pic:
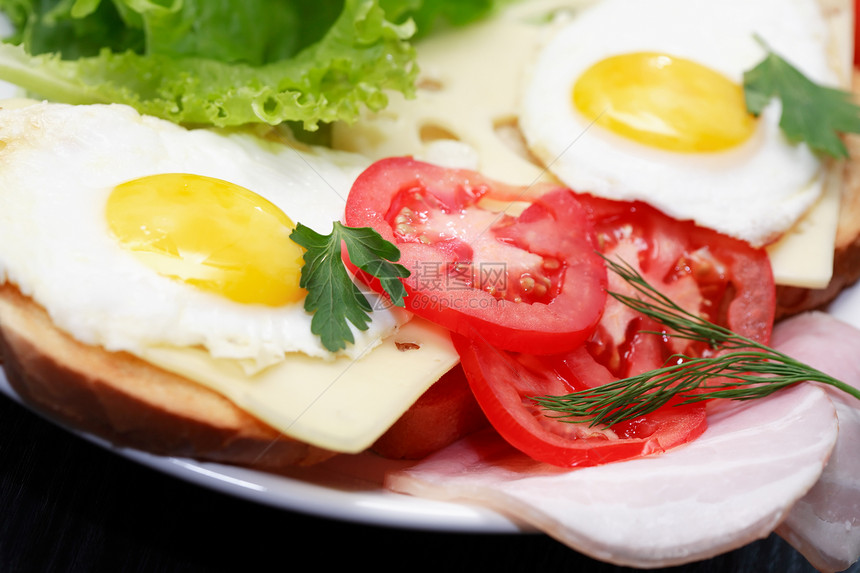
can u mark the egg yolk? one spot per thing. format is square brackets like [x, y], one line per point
[209, 233]
[666, 102]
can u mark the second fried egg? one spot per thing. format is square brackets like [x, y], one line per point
[641, 100]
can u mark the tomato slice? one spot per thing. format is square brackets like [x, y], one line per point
[529, 283]
[723, 279]
[504, 383]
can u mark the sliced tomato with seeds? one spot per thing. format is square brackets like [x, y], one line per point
[504, 383]
[717, 277]
[527, 283]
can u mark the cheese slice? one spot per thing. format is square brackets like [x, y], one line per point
[803, 257]
[341, 405]
[469, 89]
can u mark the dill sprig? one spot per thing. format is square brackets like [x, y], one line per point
[741, 368]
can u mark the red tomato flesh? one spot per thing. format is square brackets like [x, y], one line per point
[541, 323]
[532, 283]
[718, 277]
[505, 382]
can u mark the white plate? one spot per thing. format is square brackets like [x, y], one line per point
[349, 487]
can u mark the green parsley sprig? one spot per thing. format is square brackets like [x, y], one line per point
[743, 369]
[811, 113]
[333, 298]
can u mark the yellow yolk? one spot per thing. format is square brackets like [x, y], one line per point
[665, 102]
[211, 234]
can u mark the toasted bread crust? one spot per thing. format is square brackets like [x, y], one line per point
[129, 402]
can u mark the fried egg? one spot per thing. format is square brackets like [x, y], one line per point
[639, 100]
[133, 232]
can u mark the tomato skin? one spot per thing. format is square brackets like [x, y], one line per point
[726, 280]
[555, 229]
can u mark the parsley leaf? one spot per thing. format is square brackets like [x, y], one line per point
[810, 112]
[333, 298]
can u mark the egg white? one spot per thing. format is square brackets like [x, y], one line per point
[755, 191]
[59, 163]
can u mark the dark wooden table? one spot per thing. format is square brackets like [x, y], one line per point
[69, 505]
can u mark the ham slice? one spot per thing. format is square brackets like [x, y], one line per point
[825, 524]
[733, 485]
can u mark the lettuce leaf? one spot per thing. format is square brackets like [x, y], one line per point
[213, 62]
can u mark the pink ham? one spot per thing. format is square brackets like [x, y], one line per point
[825, 524]
[733, 485]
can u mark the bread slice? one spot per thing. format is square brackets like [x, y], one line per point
[129, 402]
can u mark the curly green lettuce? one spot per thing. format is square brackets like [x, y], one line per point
[222, 62]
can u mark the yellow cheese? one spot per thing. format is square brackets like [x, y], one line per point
[342, 405]
[803, 257]
[469, 90]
